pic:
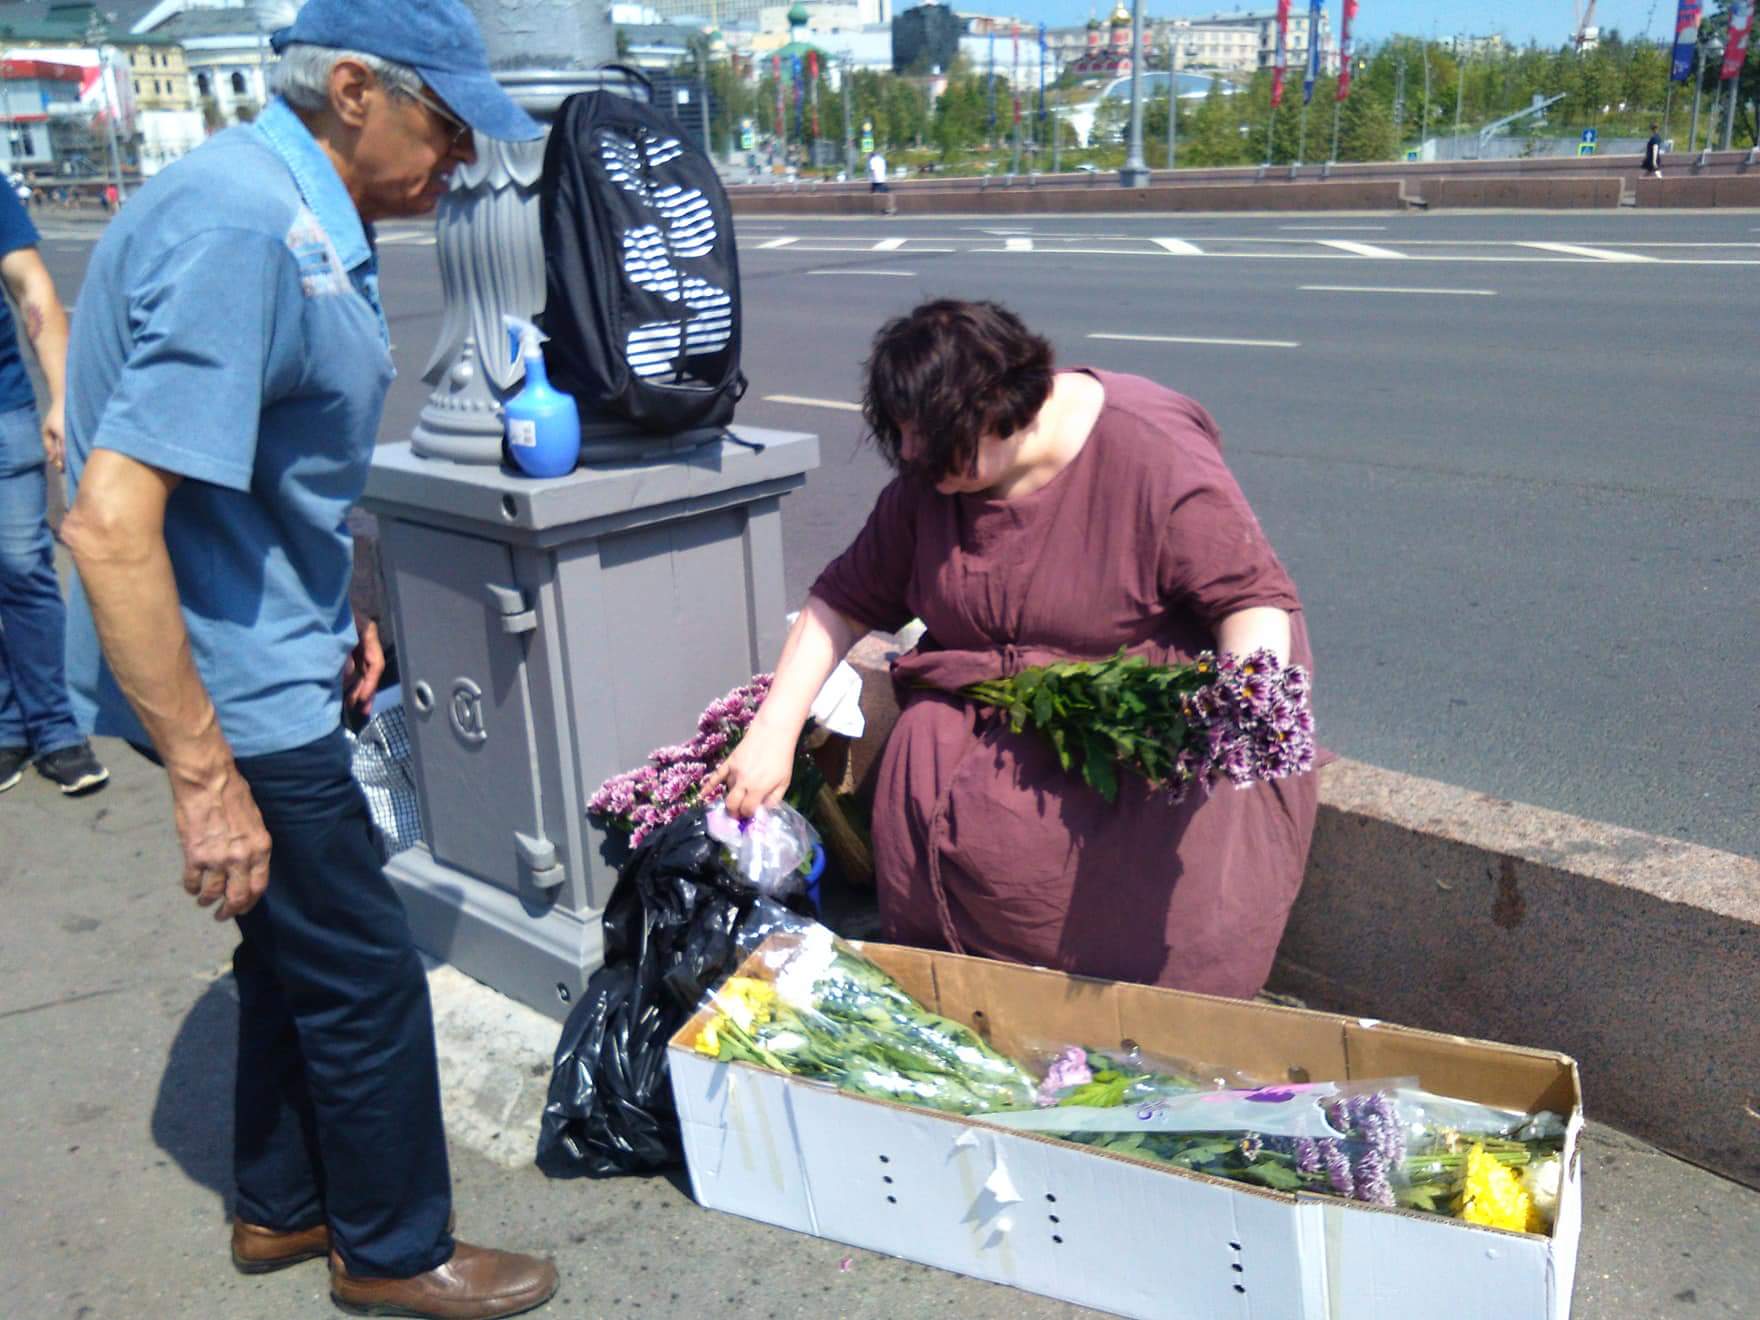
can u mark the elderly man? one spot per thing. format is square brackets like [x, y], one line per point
[229, 364]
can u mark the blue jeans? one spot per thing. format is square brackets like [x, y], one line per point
[34, 709]
[338, 1090]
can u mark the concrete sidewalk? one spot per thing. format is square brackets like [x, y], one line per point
[116, 1026]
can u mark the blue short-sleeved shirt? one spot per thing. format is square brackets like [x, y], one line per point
[16, 231]
[229, 331]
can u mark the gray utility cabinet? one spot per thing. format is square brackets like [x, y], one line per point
[550, 634]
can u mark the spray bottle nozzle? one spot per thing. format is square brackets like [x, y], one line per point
[524, 340]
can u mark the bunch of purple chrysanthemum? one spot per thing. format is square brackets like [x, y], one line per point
[1362, 1163]
[1244, 719]
[638, 802]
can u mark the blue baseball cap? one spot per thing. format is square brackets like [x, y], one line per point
[439, 39]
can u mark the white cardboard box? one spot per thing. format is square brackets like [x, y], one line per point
[1111, 1233]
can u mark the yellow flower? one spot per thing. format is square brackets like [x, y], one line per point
[1493, 1196]
[709, 1038]
[747, 1001]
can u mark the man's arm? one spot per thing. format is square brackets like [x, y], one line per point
[45, 325]
[116, 533]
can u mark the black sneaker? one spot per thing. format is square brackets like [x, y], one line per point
[74, 768]
[12, 763]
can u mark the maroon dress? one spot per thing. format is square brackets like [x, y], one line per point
[982, 843]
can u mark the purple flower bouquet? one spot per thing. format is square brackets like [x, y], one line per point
[640, 801]
[1220, 717]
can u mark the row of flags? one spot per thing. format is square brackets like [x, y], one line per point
[1280, 62]
[1686, 42]
[1686, 39]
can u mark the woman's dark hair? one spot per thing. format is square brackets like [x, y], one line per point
[952, 372]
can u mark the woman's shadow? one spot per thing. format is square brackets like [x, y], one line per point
[192, 1114]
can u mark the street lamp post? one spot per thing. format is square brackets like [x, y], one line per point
[1175, 55]
[703, 111]
[1135, 173]
[1729, 112]
[849, 141]
[1698, 90]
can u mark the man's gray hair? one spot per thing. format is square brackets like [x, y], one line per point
[302, 78]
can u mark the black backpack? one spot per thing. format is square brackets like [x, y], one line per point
[641, 270]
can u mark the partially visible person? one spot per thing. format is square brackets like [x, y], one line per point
[1043, 515]
[230, 363]
[1653, 153]
[36, 715]
[877, 173]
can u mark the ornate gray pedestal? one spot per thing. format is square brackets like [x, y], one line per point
[549, 635]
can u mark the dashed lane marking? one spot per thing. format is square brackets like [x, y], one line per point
[802, 401]
[1386, 288]
[1198, 339]
[1577, 250]
[1178, 246]
[1361, 249]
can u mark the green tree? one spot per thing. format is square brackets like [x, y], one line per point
[1211, 136]
[1365, 127]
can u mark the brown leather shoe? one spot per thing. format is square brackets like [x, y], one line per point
[476, 1284]
[259, 1250]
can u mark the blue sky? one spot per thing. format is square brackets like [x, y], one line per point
[1547, 21]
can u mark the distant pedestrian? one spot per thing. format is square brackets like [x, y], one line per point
[1653, 153]
[36, 713]
[877, 173]
[112, 198]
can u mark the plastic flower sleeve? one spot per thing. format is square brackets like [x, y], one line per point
[771, 851]
[1074, 1075]
[1280, 1111]
[812, 1007]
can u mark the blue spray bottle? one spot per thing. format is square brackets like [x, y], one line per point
[543, 424]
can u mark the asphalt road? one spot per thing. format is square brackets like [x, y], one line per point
[1512, 461]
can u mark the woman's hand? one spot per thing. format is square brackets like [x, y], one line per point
[757, 772]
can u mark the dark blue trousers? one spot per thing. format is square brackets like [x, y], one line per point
[338, 1092]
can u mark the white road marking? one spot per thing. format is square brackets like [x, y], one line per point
[888, 245]
[1019, 245]
[1360, 249]
[784, 241]
[907, 274]
[1577, 250]
[1383, 288]
[801, 401]
[1179, 247]
[1195, 339]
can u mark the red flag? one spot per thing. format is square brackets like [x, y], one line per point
[1344, 49]
[813, 82]
[1280, 62]
[1741, 27]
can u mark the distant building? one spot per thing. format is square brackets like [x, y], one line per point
[34, 97]
[1262, 23]
[723, 14]
[1477, 48]
[1106, 51]
[926, 37]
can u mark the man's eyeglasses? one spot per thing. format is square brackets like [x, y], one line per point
[459, 129]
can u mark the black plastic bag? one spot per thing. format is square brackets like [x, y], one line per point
[678, 922]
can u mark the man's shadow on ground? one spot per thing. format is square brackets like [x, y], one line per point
[192, 1115]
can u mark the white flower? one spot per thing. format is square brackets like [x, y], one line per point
[1541, 1181]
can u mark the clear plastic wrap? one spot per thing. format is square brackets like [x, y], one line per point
[813, 1007]
[773, 851]
[1384, 1142]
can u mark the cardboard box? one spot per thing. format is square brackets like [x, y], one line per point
[1116, 1234]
